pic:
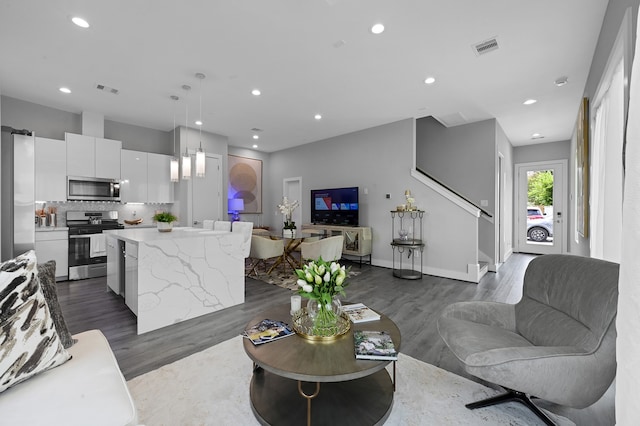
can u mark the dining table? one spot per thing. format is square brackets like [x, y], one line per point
[291, 243]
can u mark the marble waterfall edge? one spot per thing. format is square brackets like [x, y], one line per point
[180, 279]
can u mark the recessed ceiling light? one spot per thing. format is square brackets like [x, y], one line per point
[377, 28]
[536, 136]
[561, 81]
[530, 102]
[429, 80]
[256, 137]
[199, 123]
[80, 22]
[65, 90]
[317, 117]
[255, 92]
[254, 145]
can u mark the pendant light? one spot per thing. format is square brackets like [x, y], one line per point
[175, 165]
[186, 159]
[200, 156]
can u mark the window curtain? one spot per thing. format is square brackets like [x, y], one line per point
[606, 180]
[628, 320]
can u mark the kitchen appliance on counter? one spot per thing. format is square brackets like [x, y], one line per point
[92, 189]
[87, 243]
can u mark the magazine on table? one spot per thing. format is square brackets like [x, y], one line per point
[359, 312]
[267, 330]
[376, 345]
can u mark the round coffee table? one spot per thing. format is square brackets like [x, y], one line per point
[297, 381]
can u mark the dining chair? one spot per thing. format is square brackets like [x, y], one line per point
[245, 228]
[328, 248]
[263, 249]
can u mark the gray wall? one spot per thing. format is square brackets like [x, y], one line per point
[461, 157]
[608, 33]
[44, 121]
[542, 152]
[377, 160]
[52, 123]
[139, 138]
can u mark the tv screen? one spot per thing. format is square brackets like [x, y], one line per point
[335, 206]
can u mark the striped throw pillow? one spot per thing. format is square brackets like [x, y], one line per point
[29, 343]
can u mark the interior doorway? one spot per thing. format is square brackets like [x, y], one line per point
[206, 192]
[540, 207]
[292, 189]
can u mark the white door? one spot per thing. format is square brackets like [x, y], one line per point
[206, 199]
[540, 207]
[292, 189]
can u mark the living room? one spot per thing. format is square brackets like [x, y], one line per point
[377, 158]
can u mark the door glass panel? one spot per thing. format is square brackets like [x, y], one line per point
[540, 207]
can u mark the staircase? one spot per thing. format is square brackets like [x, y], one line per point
[452, 251]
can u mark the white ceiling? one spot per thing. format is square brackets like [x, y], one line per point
[307, 57]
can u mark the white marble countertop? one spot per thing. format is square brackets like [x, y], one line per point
[51, 228]
[136, 235]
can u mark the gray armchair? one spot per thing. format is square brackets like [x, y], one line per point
[557, 343]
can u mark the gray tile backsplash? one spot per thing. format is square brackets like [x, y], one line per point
[125, 211]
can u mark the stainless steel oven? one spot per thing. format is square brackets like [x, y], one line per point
[87, 245]
[92, 189]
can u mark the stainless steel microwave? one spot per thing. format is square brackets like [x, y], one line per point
[92, 189]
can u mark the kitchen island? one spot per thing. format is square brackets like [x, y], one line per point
[171, 277]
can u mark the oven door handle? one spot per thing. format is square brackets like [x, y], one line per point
[71, 237]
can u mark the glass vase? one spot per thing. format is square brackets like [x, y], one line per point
[324, 314]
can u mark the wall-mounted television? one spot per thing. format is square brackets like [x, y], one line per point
[335, 206]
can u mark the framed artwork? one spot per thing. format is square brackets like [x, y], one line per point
[245, 182]
[582, 169]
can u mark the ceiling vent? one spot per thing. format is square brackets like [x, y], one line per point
[486, 46]
[107, 89]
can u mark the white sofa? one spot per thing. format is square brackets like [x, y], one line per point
[89, 389]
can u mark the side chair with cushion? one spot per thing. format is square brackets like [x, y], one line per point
[262, 249]
[327, 248]
[557, 343]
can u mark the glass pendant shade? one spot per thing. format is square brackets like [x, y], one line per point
[200, 163]
[186, 167]
[175, 172]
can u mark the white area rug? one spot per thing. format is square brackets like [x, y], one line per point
[212, 388]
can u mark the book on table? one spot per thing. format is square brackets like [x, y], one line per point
[267, 330]
[358, 312]
[376, 345]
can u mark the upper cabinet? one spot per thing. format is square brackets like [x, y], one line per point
[108, 158]
[88, 156]
[159, 187]
[51, 169]
[146, 177]
[133, 186]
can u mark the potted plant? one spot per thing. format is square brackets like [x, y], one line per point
[164, 221]
[287, 208]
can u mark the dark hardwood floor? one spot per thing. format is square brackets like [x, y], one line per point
[414, 305]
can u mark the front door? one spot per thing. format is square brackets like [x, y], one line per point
[540, 212]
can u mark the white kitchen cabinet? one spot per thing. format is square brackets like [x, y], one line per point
[131, 277]
[133, 186]
[159, 185]
[88, 156]
[108, 158]
[81, 155]
[54, 245]
[114, 264]
[51, 169]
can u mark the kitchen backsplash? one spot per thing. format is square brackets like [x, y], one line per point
[125, 211]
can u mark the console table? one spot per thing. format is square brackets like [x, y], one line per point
[297, 381]
[408, 245]
[357, 239]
